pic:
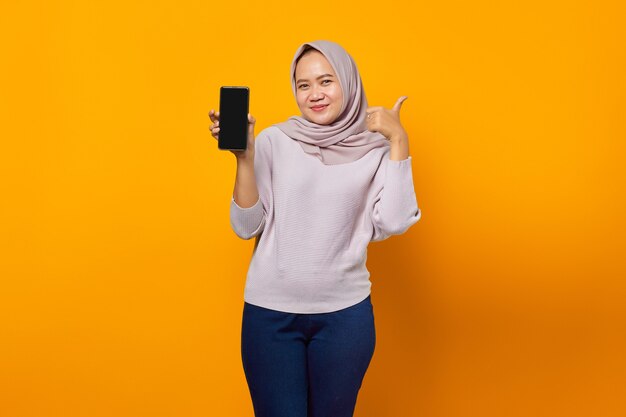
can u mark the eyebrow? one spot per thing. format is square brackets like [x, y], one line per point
[321, 76]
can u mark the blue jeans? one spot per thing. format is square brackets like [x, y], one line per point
[306, 365]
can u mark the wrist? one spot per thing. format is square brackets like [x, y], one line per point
[244, 158]
[399, 137]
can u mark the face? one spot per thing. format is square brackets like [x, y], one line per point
[317, 85]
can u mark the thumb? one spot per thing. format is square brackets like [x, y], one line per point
[251, 122]
[398, 105]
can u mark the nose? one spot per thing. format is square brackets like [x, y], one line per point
[316, 94]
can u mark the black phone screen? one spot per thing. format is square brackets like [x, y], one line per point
[234, 102]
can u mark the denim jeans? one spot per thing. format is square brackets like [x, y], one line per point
[306, 365]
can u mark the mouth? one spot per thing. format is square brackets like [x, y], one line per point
[319, 108]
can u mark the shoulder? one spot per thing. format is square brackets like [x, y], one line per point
[270, 137]
[266, 140]
[384, 153]
[271, 133]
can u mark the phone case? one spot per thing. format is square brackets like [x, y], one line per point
[234, 108]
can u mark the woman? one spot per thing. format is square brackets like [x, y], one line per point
[314, 191]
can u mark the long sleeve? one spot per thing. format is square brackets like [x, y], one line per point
[313, 224]
[395, 205]
[249, 222]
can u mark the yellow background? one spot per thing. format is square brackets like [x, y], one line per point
[121, 279]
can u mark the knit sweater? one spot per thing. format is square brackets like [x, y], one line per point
[313, 223]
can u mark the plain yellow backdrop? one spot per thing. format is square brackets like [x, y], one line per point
[122, 282]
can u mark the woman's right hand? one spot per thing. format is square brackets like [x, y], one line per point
[215, 129]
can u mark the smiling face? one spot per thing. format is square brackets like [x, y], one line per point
[318, 92]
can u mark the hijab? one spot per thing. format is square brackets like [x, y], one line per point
[346, 139]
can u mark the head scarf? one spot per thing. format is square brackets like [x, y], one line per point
[346, 139]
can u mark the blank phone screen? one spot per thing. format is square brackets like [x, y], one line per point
[233, 134]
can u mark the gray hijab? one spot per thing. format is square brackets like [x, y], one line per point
[347, 138]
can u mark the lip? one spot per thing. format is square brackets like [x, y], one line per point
[319, 108]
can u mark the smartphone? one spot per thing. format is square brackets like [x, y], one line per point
[234, 107]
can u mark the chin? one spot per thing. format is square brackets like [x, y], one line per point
[322, 120]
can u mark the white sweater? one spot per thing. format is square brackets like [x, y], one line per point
[313, 223]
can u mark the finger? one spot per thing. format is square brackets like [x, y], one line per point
[398, 105]
[251, 122]
[371, 116]
[212, 115]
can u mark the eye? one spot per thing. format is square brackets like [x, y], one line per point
[301, 85]
[327, 80]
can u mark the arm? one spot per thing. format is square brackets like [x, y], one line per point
[395, 206]
[246, 193]
[250, 200]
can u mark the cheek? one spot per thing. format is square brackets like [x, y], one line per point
[300, 101]
[336, 94]
[337, 97]
[304, 95]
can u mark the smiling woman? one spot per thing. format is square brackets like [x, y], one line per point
[308, 331]
[319, 95]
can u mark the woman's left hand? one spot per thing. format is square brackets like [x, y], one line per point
[386, 121]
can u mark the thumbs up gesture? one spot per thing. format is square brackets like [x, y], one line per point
[386, 121]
